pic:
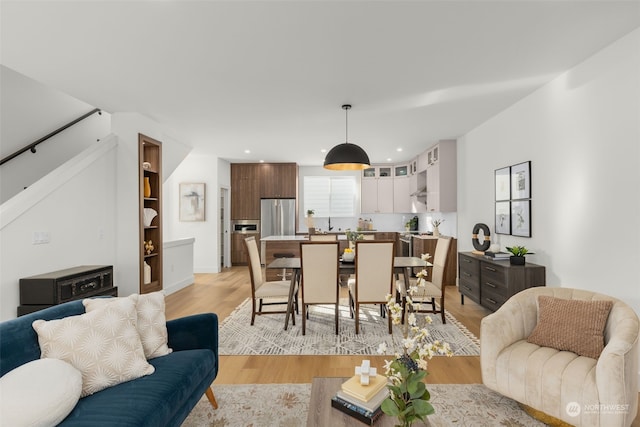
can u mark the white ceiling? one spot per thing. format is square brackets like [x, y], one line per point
[271, 76]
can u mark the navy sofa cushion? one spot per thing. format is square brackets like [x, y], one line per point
[164, 398]
[151, 400]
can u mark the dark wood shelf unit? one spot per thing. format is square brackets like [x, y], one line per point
[150, 150]
[491, 283]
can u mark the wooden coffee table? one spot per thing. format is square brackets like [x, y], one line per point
[322, 414]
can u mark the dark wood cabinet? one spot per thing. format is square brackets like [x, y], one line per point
[245, 191]
[239, 254]
[278, 180]
[491, 283]
[150, 195]
[57, 287]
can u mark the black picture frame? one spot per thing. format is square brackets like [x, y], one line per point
[502, 181]
[521, 218]
[521, 181]
[503, 217]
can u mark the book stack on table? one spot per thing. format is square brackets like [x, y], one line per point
[362, 401]
[497, 255]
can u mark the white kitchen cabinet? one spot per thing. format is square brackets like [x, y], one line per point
[401, 194]
[441, 178]
[376, 196]
[376, 190]
[374, 172]
[423, 161]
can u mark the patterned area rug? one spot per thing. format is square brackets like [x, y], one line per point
[286, 405]
[268, 337]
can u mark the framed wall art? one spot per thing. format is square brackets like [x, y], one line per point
[192, 200]
[521, 181]
[521, 218]
[502, 180]
[503, 217]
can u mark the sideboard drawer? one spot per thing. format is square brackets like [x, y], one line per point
[470, 289]
[493, 278]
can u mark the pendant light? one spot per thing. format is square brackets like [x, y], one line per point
[346, 156]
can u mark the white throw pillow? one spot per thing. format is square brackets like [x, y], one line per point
[151, 322]
[39, 393]
[103, 345]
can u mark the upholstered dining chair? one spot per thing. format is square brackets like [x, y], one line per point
[434, 287]
[263, 292]
[319, 283]
[323, 237]
[374, 277]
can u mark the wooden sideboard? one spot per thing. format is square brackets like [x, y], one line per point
[491, 283]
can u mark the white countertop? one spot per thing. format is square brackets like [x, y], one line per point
[297, 238]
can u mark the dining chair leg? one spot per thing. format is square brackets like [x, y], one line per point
[444, 320]
[351, 305]
[357, 314]
[253, 311]
[304, 317]
[389, 321]
[337, 317]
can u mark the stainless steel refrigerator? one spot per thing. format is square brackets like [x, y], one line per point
[277, 217]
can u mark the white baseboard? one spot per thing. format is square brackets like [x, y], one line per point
[175, 287]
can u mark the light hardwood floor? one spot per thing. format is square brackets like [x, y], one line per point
[220, 293]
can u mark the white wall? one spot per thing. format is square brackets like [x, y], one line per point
[195, 168]
[76, 205]
[582, 135]
[31, 110]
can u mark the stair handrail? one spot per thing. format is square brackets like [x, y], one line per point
[33, 145]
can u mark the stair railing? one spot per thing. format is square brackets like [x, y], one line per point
[32, 147]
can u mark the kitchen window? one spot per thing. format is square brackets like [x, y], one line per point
[330, 196]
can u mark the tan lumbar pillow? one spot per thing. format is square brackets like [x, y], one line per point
[571, 325]
[151, 321]
[103, 345]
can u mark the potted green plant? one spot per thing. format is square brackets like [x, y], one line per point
[517, 254]
[310, 223]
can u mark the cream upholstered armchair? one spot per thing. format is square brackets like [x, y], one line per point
[579, 390]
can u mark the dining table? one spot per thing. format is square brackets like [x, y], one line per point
[401, 264]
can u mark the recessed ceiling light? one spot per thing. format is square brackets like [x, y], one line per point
[323, 150]
[399, 149]
[388, 160]
[247, 151]
[261, 161]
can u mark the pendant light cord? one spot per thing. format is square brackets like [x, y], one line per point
[346, 108]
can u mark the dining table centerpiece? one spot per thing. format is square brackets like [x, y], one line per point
[408, 399]
[352, 237]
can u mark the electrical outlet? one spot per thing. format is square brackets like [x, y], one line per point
[40, 237]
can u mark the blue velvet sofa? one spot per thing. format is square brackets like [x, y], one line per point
[164, 398]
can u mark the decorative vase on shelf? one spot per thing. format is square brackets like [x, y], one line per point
[147, 273]
[147, 187]
[436, 231]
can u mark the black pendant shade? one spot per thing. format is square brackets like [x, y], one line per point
[346, 156]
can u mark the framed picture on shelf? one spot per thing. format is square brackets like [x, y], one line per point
[503, 183]
[521, 181]
[503, 217]
[521, 218]
[192, 198]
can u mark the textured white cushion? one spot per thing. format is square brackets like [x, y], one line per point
[103, 345]
[151, 320]
[39, 393]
